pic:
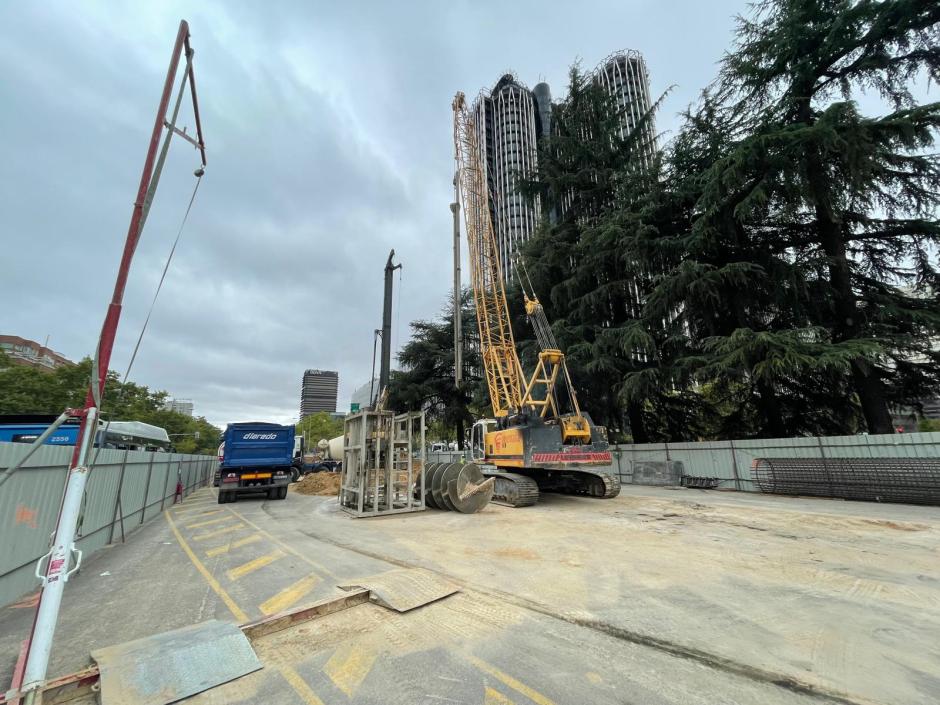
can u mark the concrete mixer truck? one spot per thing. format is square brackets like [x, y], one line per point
[330, 455]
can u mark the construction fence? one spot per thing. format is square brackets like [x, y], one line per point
[125, 489]
[730, 461]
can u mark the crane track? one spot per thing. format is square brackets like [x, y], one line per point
[514, 490]
[611, 486]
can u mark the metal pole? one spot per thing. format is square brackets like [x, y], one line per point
[57, 571]
[117, 501]
[386, 361]
[458, 308]
[143, 513]
[113, 316]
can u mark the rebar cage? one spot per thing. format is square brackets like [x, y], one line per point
[383, 463]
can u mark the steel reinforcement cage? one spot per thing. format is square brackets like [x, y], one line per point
[383, 463]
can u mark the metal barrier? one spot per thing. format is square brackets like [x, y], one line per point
[125, 489]
[908, 480]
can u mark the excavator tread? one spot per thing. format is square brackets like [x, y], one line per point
[513, 490]
[611, 486]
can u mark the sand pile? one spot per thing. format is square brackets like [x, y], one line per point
[320, 483]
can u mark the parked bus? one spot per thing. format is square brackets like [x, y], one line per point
[130, 435]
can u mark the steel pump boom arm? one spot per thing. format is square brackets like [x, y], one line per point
[504, 376]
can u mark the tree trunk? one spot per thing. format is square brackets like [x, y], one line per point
[847, 323]
[459, 429]
[773, 426]
[637, 427]
[870, 392]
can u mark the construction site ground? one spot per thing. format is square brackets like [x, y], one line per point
[658, 596]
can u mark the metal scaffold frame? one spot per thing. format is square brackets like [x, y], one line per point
[383, 463]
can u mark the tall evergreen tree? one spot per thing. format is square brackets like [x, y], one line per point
[589, 292]
[426, 380]
[846, 202]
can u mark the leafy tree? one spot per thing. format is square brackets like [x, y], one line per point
[843, 203]
[27, 390]
[318, 426]
[426, 380]
[587, 174]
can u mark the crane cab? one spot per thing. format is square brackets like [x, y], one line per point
[478, 439]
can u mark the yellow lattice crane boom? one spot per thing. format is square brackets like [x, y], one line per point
[497, 347]
[545, 448]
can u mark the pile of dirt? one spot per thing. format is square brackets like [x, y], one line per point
[319, 483]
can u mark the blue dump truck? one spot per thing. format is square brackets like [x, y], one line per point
[257, 458]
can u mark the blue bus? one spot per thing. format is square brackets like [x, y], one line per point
[131, 435]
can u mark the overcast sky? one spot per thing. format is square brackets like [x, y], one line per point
[328, 128]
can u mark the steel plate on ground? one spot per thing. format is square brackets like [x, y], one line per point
[168, 667]
[404, 589]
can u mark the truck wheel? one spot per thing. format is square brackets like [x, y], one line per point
[222, 498]
[294, 474]
[272, 493]
[282, 492]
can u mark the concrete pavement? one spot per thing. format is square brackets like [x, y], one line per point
[657, 596]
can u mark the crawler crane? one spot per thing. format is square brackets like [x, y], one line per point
[533, 443]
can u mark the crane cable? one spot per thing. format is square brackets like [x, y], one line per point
[153, 304]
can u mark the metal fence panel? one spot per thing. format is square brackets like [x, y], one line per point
[730, 461]
[29, 502]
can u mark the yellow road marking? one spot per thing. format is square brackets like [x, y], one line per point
[286, 546]
[213, 583]
[518, 686]
[289, 595]
[207, 523]
[251, 566]
[191, 503]
[494, 697]
[219, 532]
[180, 509]
[225, 548]
[348, 667]
[300, 685]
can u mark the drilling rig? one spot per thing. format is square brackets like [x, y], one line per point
[539, 438]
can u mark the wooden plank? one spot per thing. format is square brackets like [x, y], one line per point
[284, 620]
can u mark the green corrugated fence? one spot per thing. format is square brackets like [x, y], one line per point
[125, 489]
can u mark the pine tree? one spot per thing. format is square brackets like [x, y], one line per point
[845, 202]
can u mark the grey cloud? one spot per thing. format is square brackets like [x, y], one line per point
[329, 134]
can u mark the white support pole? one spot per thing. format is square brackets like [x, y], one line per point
[58, 569]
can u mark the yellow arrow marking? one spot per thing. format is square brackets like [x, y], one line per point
[251, 566]
[348, 667]
[289, 595]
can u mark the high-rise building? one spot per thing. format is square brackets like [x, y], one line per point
[624, 75]
[511, 119]
[365, 394]
[508, 121]
[318, 392]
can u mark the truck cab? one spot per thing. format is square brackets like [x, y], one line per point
[258, 457]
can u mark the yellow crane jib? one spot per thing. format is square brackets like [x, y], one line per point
[533, 443]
